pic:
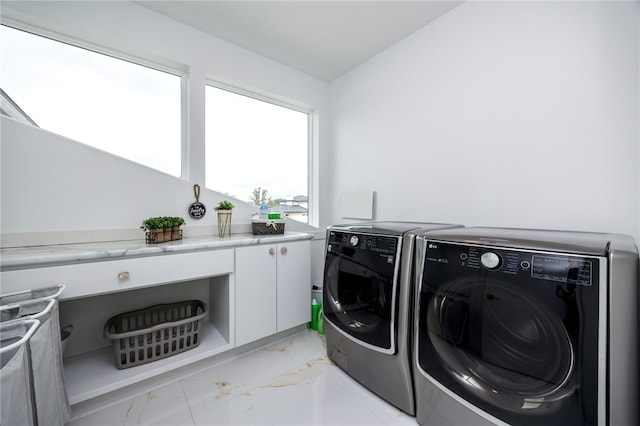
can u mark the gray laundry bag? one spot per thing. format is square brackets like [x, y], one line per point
[17, 406]
[51, 400]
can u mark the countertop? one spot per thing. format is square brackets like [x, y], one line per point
[50, 255]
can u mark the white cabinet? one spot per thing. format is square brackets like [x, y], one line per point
[98, 290]
[294, 284]
[251, 291]
[255, 293]
[272, 289]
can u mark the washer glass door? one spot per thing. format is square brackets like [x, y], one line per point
[505, 331]
[360, 287]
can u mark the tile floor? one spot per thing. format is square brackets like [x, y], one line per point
[290, 382]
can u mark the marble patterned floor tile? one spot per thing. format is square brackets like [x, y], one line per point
[163, 406]
[230, 379]
[386, 412]
[310, 344]
[291, 382]
[311, 394]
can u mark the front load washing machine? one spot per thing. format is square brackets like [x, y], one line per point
[367, 303]
[526, 327]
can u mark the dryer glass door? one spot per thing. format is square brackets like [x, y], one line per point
[512, 332]
[360, 286]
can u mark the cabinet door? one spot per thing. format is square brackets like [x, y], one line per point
[294, 284]
[255, 293]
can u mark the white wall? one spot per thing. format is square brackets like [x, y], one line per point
[53, 184]
[512, 114]
[498, 114]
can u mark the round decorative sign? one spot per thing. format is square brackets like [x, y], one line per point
[197, 210]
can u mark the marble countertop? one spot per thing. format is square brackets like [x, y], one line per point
[24, 257]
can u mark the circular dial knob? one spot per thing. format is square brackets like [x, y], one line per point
[354, 240]
[490, 260]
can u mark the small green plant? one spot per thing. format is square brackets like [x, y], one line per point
[161, 222]
[177, 221]
[152, 223]
[224, 205]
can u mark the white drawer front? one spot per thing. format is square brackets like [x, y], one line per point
[88, 279]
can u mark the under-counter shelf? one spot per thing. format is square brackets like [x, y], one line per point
[90, 368]
[92, 374]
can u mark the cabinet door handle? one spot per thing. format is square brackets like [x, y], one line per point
[124, 275]
[272, 251]
[283, 250]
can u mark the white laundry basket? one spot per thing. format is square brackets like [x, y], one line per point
[51, 400]
[17, 403]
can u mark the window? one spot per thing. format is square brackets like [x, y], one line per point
[127, 109]
[257, 151]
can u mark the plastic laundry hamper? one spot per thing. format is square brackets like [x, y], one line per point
[51, 400]
[156, 332]
[17, 405]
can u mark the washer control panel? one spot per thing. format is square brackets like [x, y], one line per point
[376, 243]
[365, 252]
[562, 268]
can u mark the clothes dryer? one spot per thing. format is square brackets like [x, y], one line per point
[526, 327]
[367, 303]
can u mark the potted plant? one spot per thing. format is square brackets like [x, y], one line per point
[154, 226]
[176, 222]
[224, 209]
[162, 228]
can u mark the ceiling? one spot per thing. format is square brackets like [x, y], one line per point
[322, 38]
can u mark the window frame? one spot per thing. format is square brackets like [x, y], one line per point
[124, 54]
[284, 103]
